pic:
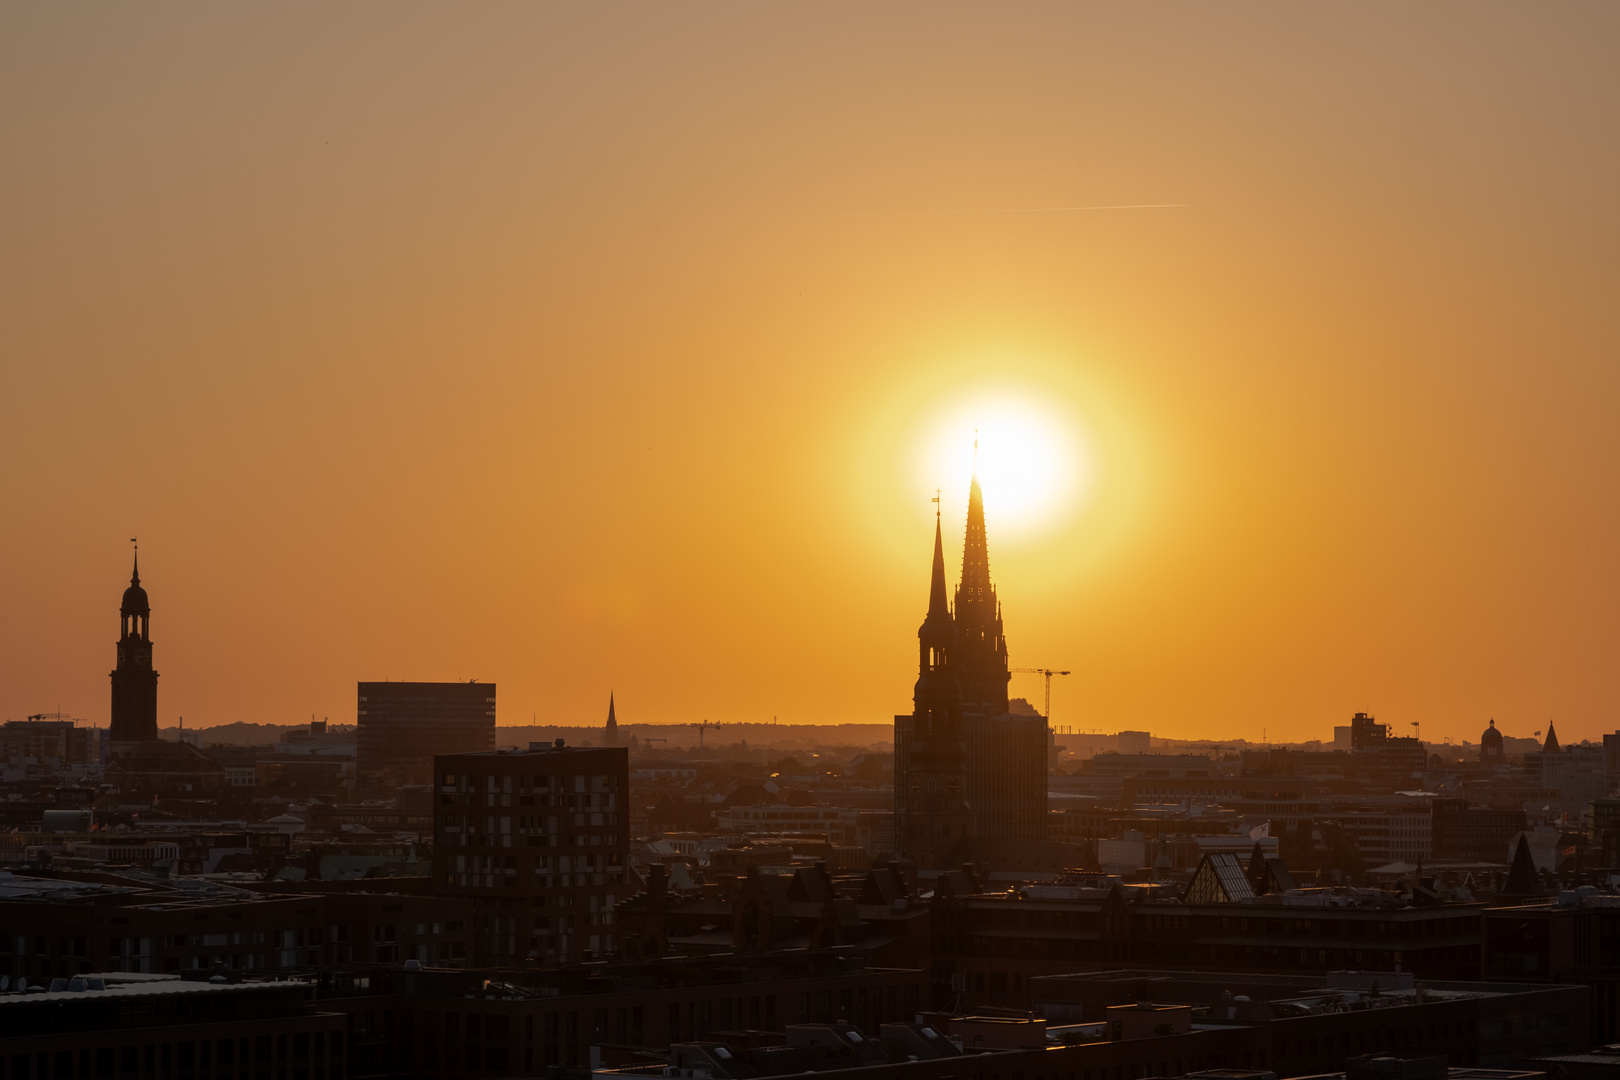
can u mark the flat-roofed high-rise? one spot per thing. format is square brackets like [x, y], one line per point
[538, 839]
[404, 725]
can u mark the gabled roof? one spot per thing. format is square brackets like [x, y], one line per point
[1219, 879]
[1268, 874]
[1522, 883]
[882, 886]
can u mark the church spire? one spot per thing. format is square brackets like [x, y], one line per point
[938, 599]
[610, 736]
[937, 634]
[975, 550]
[981, 648]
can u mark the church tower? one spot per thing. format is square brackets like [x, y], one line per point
[134, 683]
[931, 761]
[610, 735]
[981, 647]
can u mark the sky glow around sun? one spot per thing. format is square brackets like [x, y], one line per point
[1032, 461]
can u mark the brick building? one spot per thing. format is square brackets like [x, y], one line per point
[449, 1024]
[93, 927]
[995, 943]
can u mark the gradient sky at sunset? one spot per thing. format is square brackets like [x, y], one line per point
[577, 346]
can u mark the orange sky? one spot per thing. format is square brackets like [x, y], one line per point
[577, 346]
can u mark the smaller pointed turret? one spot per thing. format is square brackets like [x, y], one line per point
[937, 625]
[1551, 745]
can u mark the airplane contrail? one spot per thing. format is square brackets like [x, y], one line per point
[1009, 210]
[844, 215]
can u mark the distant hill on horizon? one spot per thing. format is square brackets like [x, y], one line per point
[793, 736]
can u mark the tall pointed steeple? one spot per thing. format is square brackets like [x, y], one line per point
[610, 736]
[975, 587]
[981, 647]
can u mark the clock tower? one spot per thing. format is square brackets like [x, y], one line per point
[134, 683]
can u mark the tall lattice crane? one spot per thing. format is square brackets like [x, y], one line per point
[701, 728]
[1048, 673]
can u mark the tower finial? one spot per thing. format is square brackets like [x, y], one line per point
[135, 575]
[935, 501]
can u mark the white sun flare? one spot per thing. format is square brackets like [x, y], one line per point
[1032, 462]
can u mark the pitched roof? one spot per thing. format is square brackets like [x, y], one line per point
[1219, 879]
[1521, 880]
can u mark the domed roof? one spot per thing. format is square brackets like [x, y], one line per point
[135, 602]
[1492, 737]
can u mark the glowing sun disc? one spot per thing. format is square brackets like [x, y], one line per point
[1032, 465]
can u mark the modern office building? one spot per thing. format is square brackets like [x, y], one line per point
[1007, 766]
[403, 726]
[1461, 833]
[538, 839]
[965, 765]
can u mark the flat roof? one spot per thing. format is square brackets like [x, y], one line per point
[146, 990]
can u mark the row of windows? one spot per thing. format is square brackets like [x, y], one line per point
[311, 1056]
[526, 784]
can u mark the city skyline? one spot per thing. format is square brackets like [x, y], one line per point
[134, 619]
[583, 353]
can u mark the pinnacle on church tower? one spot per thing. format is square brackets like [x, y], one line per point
[610, 736]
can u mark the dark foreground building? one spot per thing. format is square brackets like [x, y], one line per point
[131, 1027]
[1572, 939]
[403, 726]
[455, 1024]
[988, 948]
[538, 840]
[120, 926]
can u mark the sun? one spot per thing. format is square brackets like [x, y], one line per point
[1032, 462]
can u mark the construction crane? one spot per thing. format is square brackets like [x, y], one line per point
[703, 727]
[1048, 673]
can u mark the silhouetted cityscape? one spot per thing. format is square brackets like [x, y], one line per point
[420, 892]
